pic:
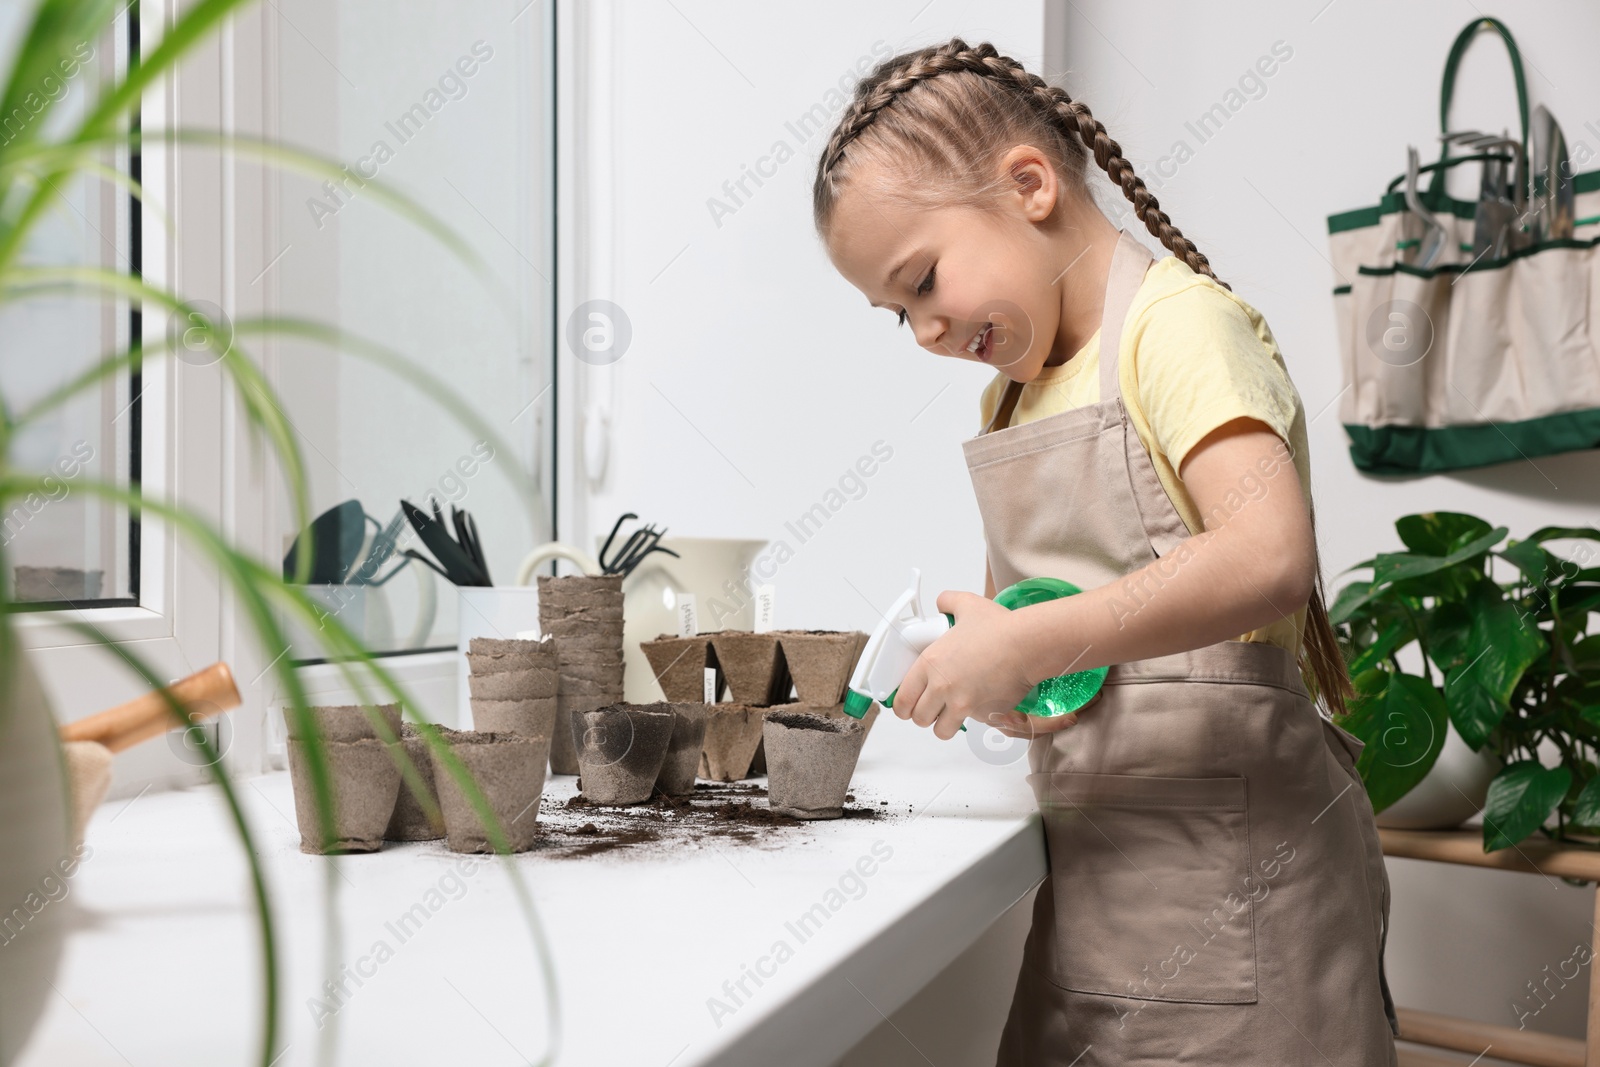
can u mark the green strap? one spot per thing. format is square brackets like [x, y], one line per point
[1447, 90]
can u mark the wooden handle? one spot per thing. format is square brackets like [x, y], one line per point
[202, 694]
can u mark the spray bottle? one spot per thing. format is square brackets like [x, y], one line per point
[906, 631]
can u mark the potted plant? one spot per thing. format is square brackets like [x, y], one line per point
[35, 160]
[1505, 665]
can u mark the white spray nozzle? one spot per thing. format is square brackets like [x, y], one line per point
[906, 630]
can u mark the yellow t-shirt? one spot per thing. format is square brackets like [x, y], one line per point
[1194, 356]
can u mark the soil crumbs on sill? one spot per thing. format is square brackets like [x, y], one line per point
[570, 827]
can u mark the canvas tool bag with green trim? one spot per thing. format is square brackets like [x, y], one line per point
[1471, 361]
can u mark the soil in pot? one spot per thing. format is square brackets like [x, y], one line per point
[409, 821]
[754, 666]
[810, 759]
[758, 764]
[346, 722]
[365, 784]
[678, 770]
[832, 711]
[732, 733]
[621, 748]
[509, 769]
[679, 664]
[820, 662]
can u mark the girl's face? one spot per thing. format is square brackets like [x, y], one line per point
[971, 284]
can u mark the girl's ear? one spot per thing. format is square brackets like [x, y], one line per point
[1033, 182]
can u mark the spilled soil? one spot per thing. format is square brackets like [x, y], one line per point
[719, 813]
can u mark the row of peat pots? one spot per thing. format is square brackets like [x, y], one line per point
[556, 702]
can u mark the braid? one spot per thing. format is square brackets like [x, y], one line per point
[1068, 117]
[953, 130]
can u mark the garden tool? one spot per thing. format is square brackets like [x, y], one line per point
[90, 743]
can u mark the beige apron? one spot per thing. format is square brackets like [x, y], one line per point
[1217, 893]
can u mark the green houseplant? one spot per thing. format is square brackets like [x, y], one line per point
[35, 160]
[1507, 664]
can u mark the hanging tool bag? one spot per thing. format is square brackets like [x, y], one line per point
[1461, 357]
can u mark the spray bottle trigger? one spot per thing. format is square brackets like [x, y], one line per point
[889, 703]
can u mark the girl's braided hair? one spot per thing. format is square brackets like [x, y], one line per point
[943, 113]
[935, 120]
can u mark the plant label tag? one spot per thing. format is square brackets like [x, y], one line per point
[688, 618]
[709, 694]
[764, 608]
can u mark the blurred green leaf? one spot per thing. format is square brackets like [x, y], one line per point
[1399, 566]
[1438, 533]
[1552, 533]
[1403, 726]
[1533, 561]
[1521, 797]
[1394, 635]
[1349, 600]
[1586, 808]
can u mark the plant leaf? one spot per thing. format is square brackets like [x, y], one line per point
[1576, 601]
[1521, 797]
[1552, 533]
[1349, 600]
[1404, 727]
[1586, 809]
[1474, 710]
[1500, 641]
[1437, 533]
[1398, 566]
[1447, 629]
[1398, 632]
[1586, 651]
[1533, 561]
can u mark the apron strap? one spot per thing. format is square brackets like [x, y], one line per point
[1004, 409]
[1129, 263]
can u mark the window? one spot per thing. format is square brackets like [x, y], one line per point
[67, 548]
[449, 104]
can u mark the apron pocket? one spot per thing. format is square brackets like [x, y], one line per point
[1152, 888]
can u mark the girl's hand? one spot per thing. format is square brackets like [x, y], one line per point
[974, 671]
[1015, 724]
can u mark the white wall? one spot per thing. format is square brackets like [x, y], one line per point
[757, 376]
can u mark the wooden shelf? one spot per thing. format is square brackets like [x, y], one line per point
[1532, 856]
[1535, 855]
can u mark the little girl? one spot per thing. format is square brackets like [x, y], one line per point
[1216, 894]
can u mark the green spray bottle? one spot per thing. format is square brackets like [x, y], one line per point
[907, 630]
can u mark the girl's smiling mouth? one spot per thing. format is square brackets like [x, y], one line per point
[981, 344]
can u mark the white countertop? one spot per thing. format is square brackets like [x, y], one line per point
[162, 966]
